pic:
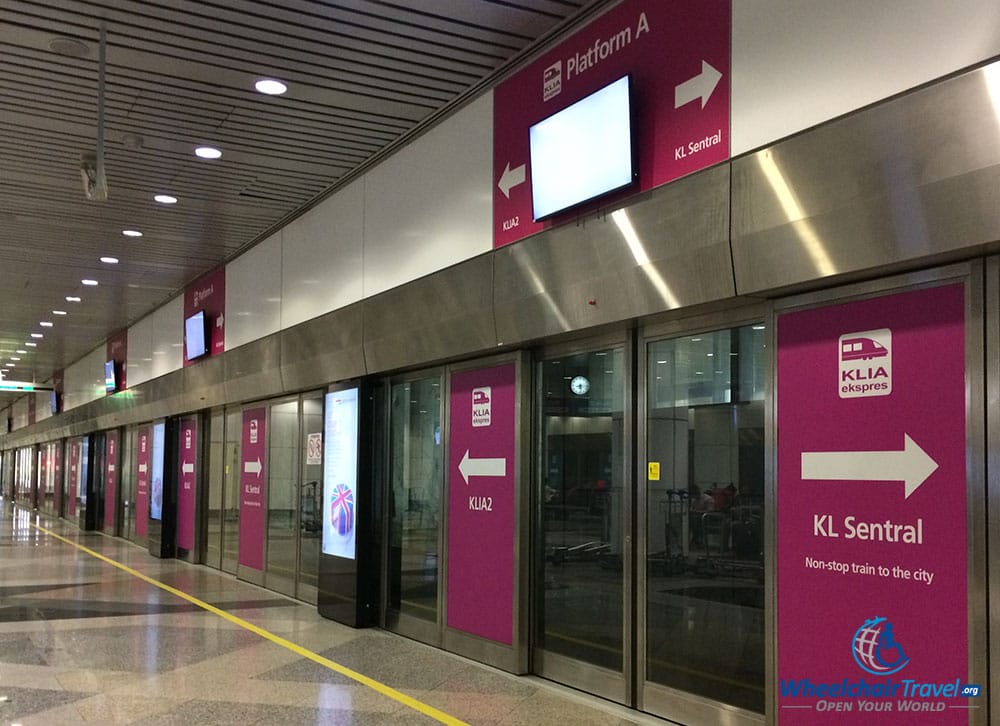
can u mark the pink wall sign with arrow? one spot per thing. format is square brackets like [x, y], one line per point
[253, 488]
[872, 537]
[481, 502]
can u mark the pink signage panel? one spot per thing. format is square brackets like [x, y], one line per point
[872, 540]
[111, 480]
[481, 503]
[57, 474]
[116, 349]
[187, 465]
[209, 294]
[145, 442]
[74, 475]
[253, 480]
[677, 54]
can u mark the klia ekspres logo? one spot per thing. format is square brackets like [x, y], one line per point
[876, 650]
[865, 363]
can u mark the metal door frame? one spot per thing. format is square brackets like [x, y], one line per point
[512, 658]
[990, 589]
[423, 630]
[980, 340]
[273, 581]
[304, 591]
[245, 572]
[609, 684]
[667, 701]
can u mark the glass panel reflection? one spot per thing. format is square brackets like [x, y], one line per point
[417, 475]
[213, 528]
[581, 480]
[282, 505]
[310, 494]
[231, 492]
[705, 515]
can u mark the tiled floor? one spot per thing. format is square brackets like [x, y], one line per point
[84, 642]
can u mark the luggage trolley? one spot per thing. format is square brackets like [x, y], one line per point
[675, 523]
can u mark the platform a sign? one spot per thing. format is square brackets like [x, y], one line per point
[677, 54]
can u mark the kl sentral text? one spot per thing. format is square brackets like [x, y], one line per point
[850, 527]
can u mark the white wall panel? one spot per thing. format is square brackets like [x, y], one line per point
[43, 405]
[167, 338]
[797, 63]
[19, 413]
[321, 257]
[83, 381]
[430, 205]
[140, 352]
[253, 293]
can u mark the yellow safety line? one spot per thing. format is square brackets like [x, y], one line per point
[364, 680]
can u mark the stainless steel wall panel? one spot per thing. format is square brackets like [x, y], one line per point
[324, 350]
[160, 397]
[668, 250]
[204, 384]
[443, 315]
[913, 179]
[253, 370]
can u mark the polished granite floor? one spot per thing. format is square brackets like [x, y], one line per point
[82, 641]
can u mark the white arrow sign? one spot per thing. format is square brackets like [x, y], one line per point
[481, 467]
[511, 178]
[701, 86]
[188, 467]
[111, 468]
[220, 321]
[253, 467]
[143, 468]
[911, 466]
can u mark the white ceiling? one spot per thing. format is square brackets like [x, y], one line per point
[180, 73]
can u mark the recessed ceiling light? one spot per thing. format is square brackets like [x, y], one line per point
[37, 335]
[22, 352]
[110, 260]
[45, 324]
[165, 199]
[14, 357]
[58, 312]
[31, 345]
[69, 46]
[207, 152]
[270, 86]
[72, 298]
[87, 281]
[9, 365]
[131, 233]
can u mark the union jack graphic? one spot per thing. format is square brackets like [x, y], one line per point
[342, 509]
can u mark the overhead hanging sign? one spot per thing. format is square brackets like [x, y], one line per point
[677, 55]
[872, 539]
[208, 294]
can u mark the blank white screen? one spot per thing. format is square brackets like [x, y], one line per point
[583, 151]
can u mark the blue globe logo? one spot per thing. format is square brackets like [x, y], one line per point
[876, 650]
